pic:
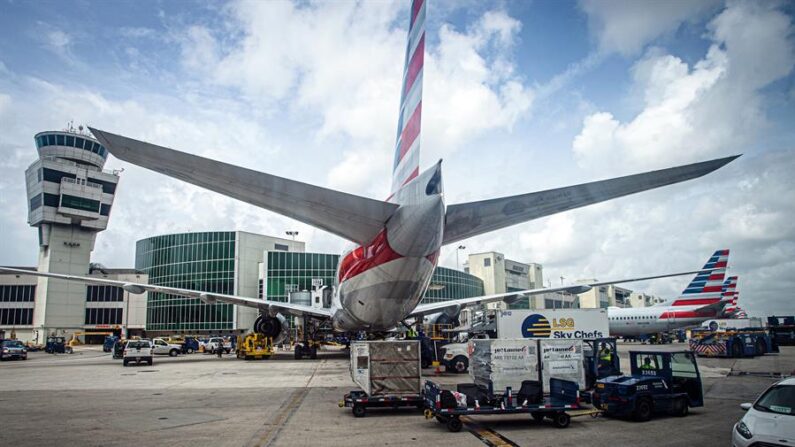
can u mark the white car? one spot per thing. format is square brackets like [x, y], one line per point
[213, 343]
[137, 351]
[162, 347]
[770, 420]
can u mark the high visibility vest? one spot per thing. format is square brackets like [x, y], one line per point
[605, 355]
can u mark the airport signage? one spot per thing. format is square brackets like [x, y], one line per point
[564, 324]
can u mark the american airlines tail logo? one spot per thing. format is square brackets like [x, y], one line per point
[536, 325]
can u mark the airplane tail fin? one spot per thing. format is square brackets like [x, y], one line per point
[729, 294]
[407, 144]
[707, 287]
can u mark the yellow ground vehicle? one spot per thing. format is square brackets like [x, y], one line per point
[254, 346]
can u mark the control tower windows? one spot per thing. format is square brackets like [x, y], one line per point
[79, 203]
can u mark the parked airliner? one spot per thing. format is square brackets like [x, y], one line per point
[380, 283]
[704, 298]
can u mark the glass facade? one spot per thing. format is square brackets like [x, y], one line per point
[198, 261]
[292, 272]
[71, 141]
[454, 284]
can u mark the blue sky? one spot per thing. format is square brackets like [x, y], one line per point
[519, 96]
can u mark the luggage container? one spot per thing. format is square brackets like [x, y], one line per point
[497, 363]
[388, 373]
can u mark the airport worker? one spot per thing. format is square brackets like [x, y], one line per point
[605, 355]
[220, 349]
[647, 364]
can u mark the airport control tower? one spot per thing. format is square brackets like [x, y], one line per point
[69, 201]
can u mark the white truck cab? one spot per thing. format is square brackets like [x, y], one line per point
[455, 357]
[137, 351]
[162, 347]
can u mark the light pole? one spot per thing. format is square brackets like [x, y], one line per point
[460, 247]
[292, 233]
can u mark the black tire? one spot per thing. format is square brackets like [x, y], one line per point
[298, 352]
[150, 362]
[454, 425]
[681, 408]
[359, 411]
[189, 350]
[125, 362]
[313, 353]
[761, 348]
[173, 353]
[460, 364]
[643, 410]
[737, 349]
[537, 416]
[561, 420]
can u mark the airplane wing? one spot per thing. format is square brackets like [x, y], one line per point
[358, 219]
[207, 297]
[424, 309]
[465, 220]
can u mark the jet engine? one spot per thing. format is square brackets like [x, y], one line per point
[276, 327]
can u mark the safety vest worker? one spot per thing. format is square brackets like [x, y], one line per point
[605, 355]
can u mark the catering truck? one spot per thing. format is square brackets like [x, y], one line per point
[563, 324]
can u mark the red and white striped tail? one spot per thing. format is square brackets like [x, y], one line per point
[407, 144]
[707, 287]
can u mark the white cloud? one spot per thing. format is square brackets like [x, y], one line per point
[691, 113]
[342, 63]
[626, 26]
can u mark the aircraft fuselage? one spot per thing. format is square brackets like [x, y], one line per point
[380, 283]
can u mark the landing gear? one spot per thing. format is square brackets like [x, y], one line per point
[308, 347]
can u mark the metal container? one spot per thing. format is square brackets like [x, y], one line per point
[497, 363]
[562, 359]
[386, 367]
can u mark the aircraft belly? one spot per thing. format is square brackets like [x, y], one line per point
[381, 297]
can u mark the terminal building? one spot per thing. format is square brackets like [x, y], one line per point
[246, 264]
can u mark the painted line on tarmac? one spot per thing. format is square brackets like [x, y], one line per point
[488, 436]
[284, 414]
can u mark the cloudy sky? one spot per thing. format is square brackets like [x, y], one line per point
[519, 97]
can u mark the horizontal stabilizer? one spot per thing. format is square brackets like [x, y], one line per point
[471, 219]
[358, 219]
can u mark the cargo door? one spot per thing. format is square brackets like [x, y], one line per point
[360, 366]
[562, 359]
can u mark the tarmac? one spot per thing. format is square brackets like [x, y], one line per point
[88, 398]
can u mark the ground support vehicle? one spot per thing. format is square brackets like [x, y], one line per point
[57, 345]
[137, 351]
[254, 346]
[596, 367]
[118, 348]
[735, 344]
[564, 397]
[213, 343]
[660, 382]
[782, 330]
[162, 347]
[190, 345]
[359, 402]
[110, 340]
[768, 421]
[307, 349]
